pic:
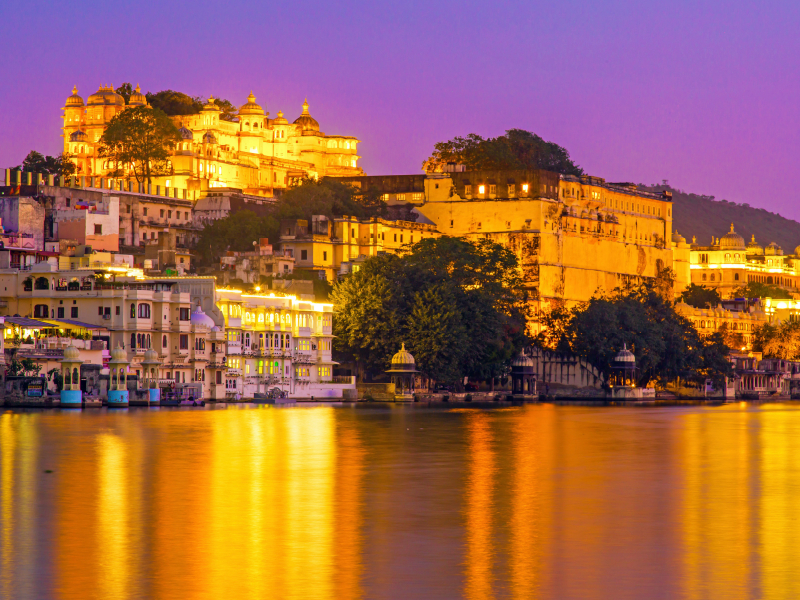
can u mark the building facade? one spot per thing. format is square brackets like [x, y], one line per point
[729, 263]
[253, 152]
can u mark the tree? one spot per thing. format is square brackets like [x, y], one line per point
[666, 345]
[174, 103]
[139, 141]
[327, 197]
[35, 162]
[235, 232]
[700, 296]
[778, 341]
[126, 91]
[228, 112]
[756, 289]
[517, 149]
[457, 305]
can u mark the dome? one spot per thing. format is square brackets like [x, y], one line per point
[106, 95]
[118, 355]
[75, 100]
[625, 357]
[208, 138]
[251, 108]
[78, 136]
[305, 120]
[753, 247]
[215, 328]
[522, 361]
[185, 134]
[677, 238]
[403, 361]
[201, 318]
[137, 98]
[772, 249]
[732, 241]
[71, 354]
[151, 356]
[280, 119]
[211, 104]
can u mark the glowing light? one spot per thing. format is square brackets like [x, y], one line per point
[481, 189]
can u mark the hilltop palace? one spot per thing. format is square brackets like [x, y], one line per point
[256, 154]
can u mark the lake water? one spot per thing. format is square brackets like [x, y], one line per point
[401, 502]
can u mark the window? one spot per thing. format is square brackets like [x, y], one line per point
[324, 371]
[468, 190]
[133, 311]
[353, 232]
[98, 229]
[117, 311]
[512, 189]
[74, 312]
[525, 187]
[144, 311]
[492, 189]
[164, 341]
[144, 211]
[183, 314]
[162, 212]
[324, 256]
[60, 312]
[481, 189]
[736, 277]
[395, 237]
[41, 310]
[184, 342]
[303, 254]
[169, 214]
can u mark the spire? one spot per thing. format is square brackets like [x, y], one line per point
[305, 106]
[732, 228]
[74, 90]
[138, 90]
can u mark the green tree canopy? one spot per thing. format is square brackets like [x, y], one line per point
[700, 296]
[457, 305]
[781, 340]
[517, 149]
[174, 103]
[36, 162]
[328, 197]
[666, 345]
[125, 90]
[139, 141]
[236, 232]
[756, 289]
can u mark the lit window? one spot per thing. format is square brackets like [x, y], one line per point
[481, 189]
[524, 187]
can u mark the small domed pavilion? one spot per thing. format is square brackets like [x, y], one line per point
[403, 373]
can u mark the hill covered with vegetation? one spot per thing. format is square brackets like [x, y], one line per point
[704, 216]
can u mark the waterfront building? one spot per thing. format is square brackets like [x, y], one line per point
[729, 263]
[737, 318]
[329, 248]
[282, 342]
[252, 152]
[403, 374]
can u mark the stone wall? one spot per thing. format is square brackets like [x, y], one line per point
[568, 370]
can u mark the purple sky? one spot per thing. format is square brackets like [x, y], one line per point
[704, 94]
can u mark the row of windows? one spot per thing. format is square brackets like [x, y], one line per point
[512, 189]
[43, 311]
[186, 214]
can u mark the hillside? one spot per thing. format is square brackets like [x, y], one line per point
[703, 216]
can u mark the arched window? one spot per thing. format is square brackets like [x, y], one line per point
[148, 340]
[144, 311]
[736, 277]
[704, 276]
[133, 340]
[164, 342]
[712, 277]
[133, 311]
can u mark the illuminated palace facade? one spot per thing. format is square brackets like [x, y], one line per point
[728, 263]
[254, 153]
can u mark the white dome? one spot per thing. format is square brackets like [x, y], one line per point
[201, 318]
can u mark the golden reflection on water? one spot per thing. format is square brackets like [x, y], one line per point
[532, 502]
[479, 508]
